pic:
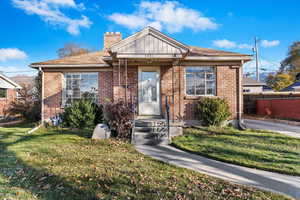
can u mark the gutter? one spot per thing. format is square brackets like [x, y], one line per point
[240, 123]
[68, 65]
[42, 96]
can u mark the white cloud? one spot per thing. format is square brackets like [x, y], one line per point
[227, 44]
[169, 15]
[266, 43]
[224, 44]
[49, 11]
[12, 54]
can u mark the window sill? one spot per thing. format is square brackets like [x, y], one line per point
[197, 97]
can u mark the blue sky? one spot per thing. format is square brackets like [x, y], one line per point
[32, 30]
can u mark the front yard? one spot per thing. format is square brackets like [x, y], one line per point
[51, 164]
[257, 149]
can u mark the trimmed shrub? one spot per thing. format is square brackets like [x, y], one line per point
[118, 116]
[81, 114]
[213, 111]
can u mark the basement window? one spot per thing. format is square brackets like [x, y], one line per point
[3, 92]
[80, 86]
[200, 80]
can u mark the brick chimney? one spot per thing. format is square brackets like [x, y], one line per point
[111, 38]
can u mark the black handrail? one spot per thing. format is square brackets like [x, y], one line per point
[168, 118]
[134, 110]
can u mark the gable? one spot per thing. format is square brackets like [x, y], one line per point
[149, 43]
[7, 83]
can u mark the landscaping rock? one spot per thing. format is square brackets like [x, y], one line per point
[101, 131]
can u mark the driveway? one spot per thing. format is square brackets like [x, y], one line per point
[286, 129]
[284, 184]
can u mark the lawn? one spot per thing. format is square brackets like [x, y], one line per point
[257, 149]
[51, 164]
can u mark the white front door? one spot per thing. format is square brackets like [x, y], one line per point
[149, 91]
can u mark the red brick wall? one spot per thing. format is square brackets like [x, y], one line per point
[184, 106]
[53, 91]
[5, 102]
[119, 86]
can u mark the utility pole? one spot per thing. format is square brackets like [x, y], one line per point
[256, 41]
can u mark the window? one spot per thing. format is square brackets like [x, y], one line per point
[3, 93]
[80, 85]
[200, 80]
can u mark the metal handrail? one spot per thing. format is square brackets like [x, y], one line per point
[168, 118]
[134, 110]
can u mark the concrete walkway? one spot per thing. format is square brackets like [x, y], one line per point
[286, 129]
[284, 184]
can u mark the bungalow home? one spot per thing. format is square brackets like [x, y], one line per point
[149, 68]
[8, 93]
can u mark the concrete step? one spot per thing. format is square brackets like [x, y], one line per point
[150, 123]
[150, 138]
[150, 129]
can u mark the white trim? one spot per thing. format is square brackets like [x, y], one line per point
[17, 86]
[218, 58]
[149, 56]
[69, 65]
[201, 95]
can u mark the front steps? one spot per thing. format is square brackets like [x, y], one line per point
[150, 132]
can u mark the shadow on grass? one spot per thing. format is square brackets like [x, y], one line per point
[43, 183]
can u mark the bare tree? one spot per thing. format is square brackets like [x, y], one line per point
[71, 49]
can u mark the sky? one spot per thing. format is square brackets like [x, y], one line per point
[33, 30]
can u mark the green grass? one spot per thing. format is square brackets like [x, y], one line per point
[258, 149]
[51, 164]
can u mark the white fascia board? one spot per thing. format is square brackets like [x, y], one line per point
[148, 56]
[70, 65]
[218, 58]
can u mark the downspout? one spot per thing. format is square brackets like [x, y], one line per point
[240, 123]
[42, 96]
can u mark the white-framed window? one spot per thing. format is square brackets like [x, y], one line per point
[200, 80]
[80, 85]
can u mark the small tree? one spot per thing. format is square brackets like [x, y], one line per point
[213, 111]
[80, 114]
[118, 115]
[28, 106]
[71, 49]
[279, 81]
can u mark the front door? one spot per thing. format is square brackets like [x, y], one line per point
[149, 93]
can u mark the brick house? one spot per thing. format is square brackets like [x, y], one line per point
[150, 67]
[8, 93]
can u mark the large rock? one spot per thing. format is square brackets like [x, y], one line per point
[101, 131]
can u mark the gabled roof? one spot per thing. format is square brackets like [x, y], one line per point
[149, 41]
[7, 83]
[143, 44]
[251, 82]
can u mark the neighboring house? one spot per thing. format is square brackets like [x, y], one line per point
[149, 67]
[8, 93]
[253, 86]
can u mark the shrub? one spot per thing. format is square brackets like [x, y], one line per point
[213, 111]
[118, 115]
[80, 114]
[98, 110]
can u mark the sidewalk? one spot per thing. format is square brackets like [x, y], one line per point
[284, 184]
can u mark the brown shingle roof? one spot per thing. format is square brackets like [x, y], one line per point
[97, 57]
[87, 58]
[199, 51]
